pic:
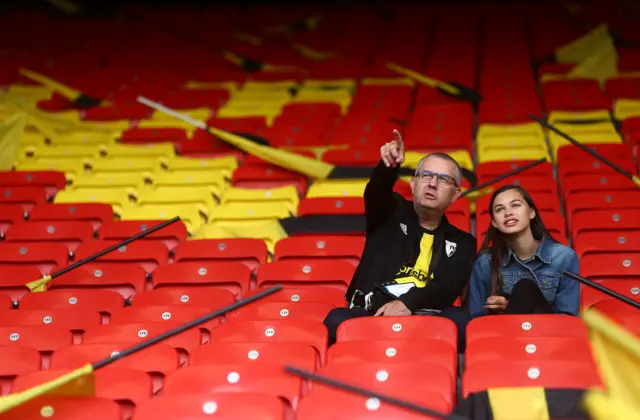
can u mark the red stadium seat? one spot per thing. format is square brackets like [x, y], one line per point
[399, 328]
[251, 252]
[120, 230]
[14, 361]
[261, 378]
[103, 301]
[134, 333]
[118, 384]
[232, 276]
[96, 213]
[625, 287]
[123, 278]
[525, 326]
[607, 242]
[295, 354]
[611, 266]
[160, 358]
[595, 200]
[196, 296]
[610, 181]
[202, 406]
[608, 150]
[53, 181]
[10, 214]
[338, 274]
[394, 351]
[267, 176]
[71, 234]
[591, 165]
[304, 248]
[400, 380]
[297, 331]
[315, 311]
[489, 170]
[330, 206]
[47, 257]
[27, 197]
[604, 220]
[356, 407]
[180, 314]
[148, 254]
[14, 279]
[530, 349]
[44, 338]
[303, 294]
[68, 408]
[71, 319]
[540, 373]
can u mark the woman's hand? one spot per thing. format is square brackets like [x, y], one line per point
[496, 303]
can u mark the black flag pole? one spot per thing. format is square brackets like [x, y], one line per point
[38, 285]
[581, 146]
[371, 394]
[503, 176]
[603, 289]
[182, 328]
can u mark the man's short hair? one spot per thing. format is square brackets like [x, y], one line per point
[458, 174]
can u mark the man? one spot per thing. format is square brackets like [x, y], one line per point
[414, 261]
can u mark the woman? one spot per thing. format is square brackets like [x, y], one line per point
[520, 266]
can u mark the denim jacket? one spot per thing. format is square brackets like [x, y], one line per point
[545, 267]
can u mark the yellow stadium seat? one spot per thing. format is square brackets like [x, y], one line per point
[605, 128]
[84, 138]
[146, 166]
[387, 81]
[201, 114]
[269, 231]
[229, 86]
[342, 97]
[507, 144]
[531, 129]
[71, 168]
[626, 108]
[31, 93]
[169, 123]
[513, 154]
[199, 197]
[189, 215]
[216, 181]
[33, 139]
[160, 150]
[269, 111]
[243, 212]
[288, 195]
[337, 188]
[280, 85]
[556, 117]
[84, 154]
[119, 199]
[108, 180]
[228, 163]
[556, 141]
[411, 158]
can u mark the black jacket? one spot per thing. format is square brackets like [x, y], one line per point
[388, 248]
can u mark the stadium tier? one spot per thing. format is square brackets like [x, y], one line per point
[281, 114]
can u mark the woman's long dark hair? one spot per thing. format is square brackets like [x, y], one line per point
[495, 242]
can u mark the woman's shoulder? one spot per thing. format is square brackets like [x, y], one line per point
[483, 258]
[558, 249]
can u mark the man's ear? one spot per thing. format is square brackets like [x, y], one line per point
[412, 183]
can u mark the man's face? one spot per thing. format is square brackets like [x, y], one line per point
[434, 186]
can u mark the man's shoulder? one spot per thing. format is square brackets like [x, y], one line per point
[455, 234]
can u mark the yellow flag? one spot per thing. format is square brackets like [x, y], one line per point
[39, 285]
[617, 353]
[80, 382]
[578, 50]
[603, 407]
[601, 64]
[11, 132]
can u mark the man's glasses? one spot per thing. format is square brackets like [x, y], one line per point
[443, 179]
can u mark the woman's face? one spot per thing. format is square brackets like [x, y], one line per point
[510, 213]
